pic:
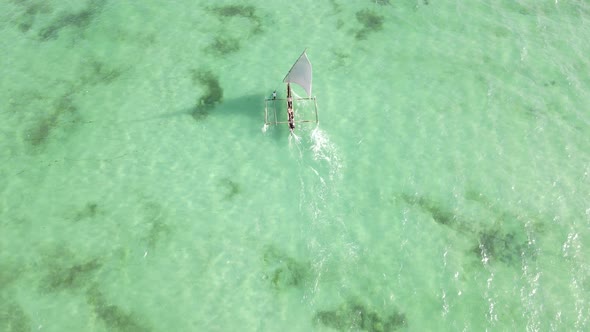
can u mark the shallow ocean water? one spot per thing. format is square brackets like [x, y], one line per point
[445, 188]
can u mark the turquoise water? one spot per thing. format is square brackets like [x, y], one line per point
[446, 187]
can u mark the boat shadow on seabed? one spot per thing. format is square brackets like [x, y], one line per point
[247, 106]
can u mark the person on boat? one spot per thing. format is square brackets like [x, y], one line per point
[289, 98]
[291, 118]
[290, 113]
[274, 95]
[290, 108]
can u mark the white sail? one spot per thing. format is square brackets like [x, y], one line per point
[300, 73]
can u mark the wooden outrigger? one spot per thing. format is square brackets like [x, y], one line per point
[300, 74]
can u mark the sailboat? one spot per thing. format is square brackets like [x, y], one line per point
[300, 74]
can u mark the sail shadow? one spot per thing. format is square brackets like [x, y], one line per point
[247, 107]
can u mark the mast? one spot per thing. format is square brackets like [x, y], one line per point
[300, 74]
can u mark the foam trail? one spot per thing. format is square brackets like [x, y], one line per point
[325, 152]
[319, 172]
[297, 138]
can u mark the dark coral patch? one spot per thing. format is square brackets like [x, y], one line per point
[496, 244]
[89, 211]
[230, 187]
[113, 317]
[370, 21]
[438, 213]
[156, 228]
[224, 45]
[65, 271]
[77, 20]
[12, 317]
[505, 247]
[284, 271]
[235, 10]
[69, 277]
[40, 132]
[213, 93]
[9, 273]
[157, 231]
[244, 11]
[98, 72]
[26, 21]
[353, 315]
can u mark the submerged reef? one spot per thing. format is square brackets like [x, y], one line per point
[504, 247]
[224, 45]
[64, 110]
[9, 273]
[31, 9]
[492, 242]
[213, 93]
[230, 187]
[113, 317]
[232, 18]
[66, 272]
[355, 316]
[340, 58]
[71, 277]
[98, 72]
[336, 7]
[155, 221]
[438, 213]
[497, 244]
[240, 11]
[370, 21]
[156, 232]
[283, 271]
[78, 20]
[89, 211]
[12, 317]
[381, 2]
[40, 132]
[246, 11]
